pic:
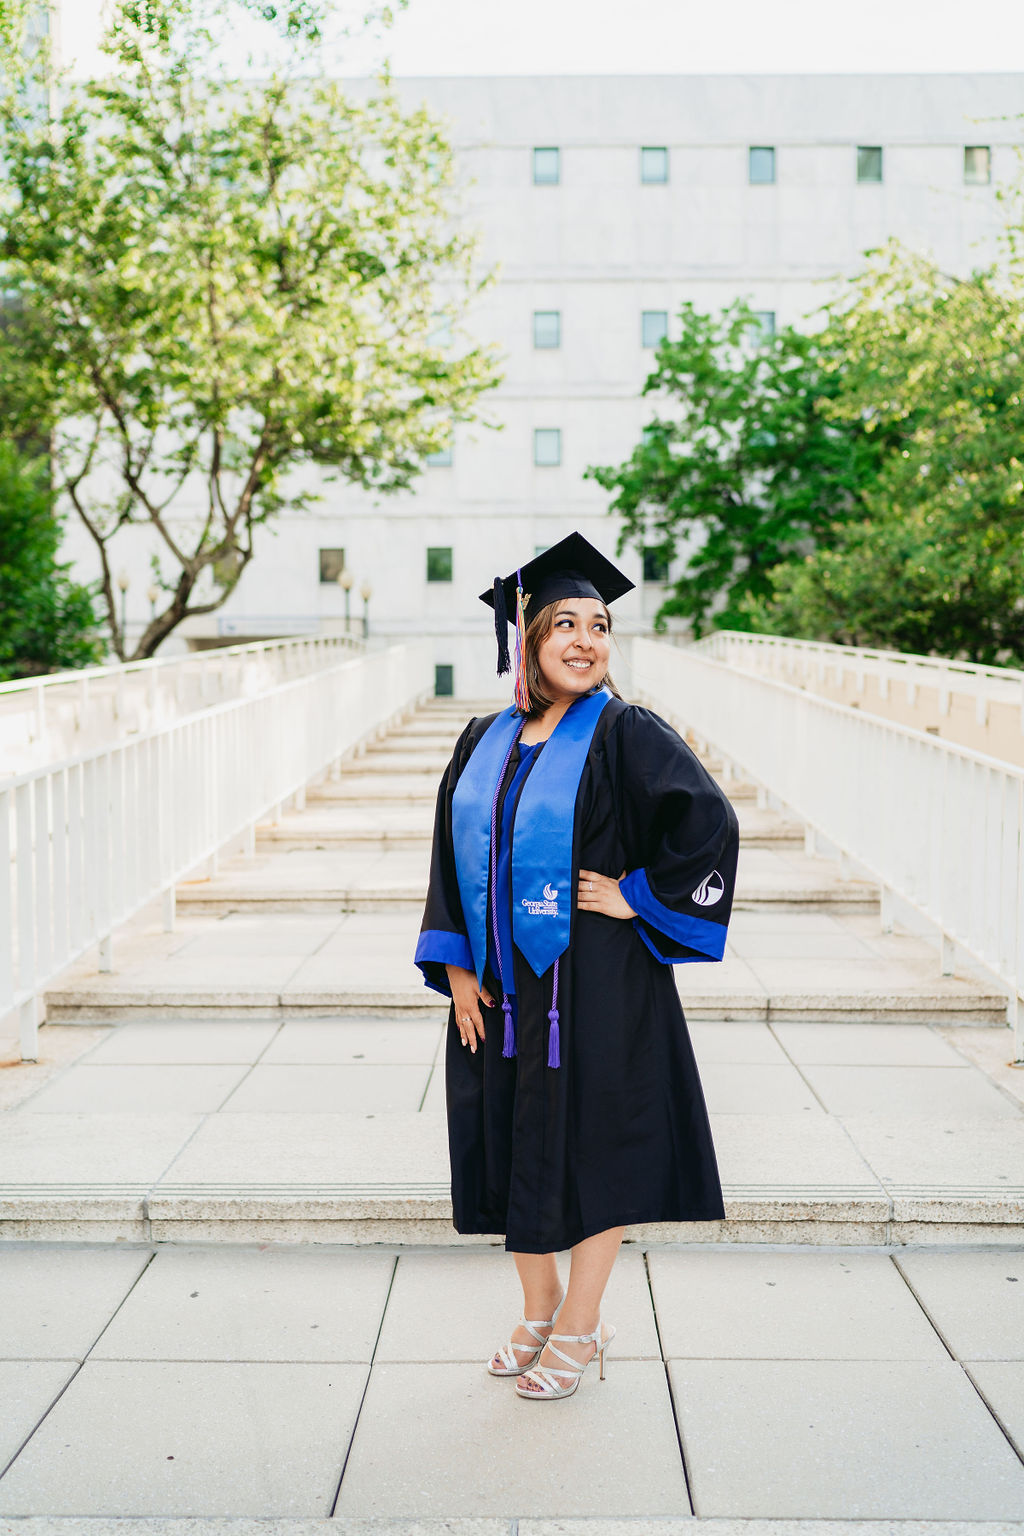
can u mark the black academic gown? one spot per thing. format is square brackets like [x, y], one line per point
[619, 1132]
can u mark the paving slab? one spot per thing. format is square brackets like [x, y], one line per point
[722, 1040]
[795, 1155]
[746, 1305]
[818, 1439]
[350, 1040]
[312, 1152]
[184, 1040]
[741, 1088]
[897, 1045]
[489, 1304]
[1001, 1384]
[55, 1302]
[27, 1388]
[189, 1438]
[963, 1160]
[975, 1300]
[909, 1091]
[115, 1088]
[267, 1304]
[479, 1449]
[353, 1087]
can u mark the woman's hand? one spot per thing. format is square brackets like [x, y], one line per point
[600, 893]
[466, 996]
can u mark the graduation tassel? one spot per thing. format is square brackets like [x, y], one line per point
[501, 626]
[522, 691]
[554, 1059]
[508, 1047]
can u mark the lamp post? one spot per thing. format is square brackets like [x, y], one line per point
[152, 593]
[123, 582]
[366, 592]
[346, 581]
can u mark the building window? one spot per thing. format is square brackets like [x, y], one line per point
[444, 682]
[547, 447]
[869, 162]
[546, 167]
[653, 165]
[655, 563]
[439, 564]
[763, 324]
[653, 326]
[441, 459]
[977, 165]
[547, 328]
[332, 563]
[760, 165]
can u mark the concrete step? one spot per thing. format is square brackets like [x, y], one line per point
[322, 878]
[340, 825]
[824, 1136]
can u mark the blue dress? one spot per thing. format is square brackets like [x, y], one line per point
[506, 973]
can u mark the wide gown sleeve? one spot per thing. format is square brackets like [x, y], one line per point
[683, 833]
[443, 939]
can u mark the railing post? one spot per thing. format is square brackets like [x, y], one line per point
[886, 906]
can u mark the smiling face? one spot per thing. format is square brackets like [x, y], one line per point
[573, 658]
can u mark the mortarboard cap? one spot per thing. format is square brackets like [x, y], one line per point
[570, 568]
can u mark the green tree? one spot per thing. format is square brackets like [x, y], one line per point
[217, 284]
[740, 469]
[46, 620]
[934, 366]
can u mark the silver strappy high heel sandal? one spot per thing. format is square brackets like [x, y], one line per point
[511, 1365]
[544, 1375]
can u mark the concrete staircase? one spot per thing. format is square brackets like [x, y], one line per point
[273, 1069]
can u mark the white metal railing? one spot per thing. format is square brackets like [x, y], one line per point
[788, 659]
[67, 712]
[938, 825]
[87, 842]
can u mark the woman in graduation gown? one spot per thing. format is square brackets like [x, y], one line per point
[580, 852]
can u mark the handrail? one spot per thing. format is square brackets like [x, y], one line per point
[947, 674]
[937, 824]
[97, 836]
[49, 717]
[206, 658]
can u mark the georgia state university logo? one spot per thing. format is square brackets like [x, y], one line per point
[546, 908]
[710, 890]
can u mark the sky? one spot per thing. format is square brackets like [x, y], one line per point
[554, 37]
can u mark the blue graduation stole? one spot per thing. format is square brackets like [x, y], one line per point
[542, 868]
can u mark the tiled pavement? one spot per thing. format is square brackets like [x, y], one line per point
[319, 1382]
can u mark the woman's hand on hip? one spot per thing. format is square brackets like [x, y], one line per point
[600, 893]
[466, 996]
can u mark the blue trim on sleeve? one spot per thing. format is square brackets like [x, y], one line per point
[435, 947]
[695, 932]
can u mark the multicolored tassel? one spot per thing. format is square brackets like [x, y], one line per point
[522, 691]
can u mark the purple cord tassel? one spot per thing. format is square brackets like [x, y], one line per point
[554, 1059]
[508, 1047]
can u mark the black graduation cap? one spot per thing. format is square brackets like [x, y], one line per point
[570, 568]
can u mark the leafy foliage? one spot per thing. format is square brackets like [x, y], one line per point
[213, 285]
[46, 620]
[936, 366]
[740, 468]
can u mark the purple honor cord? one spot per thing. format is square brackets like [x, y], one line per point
[509, 1042]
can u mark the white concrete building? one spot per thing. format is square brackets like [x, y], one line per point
[607, 202]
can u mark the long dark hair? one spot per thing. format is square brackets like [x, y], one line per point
[537, 630]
